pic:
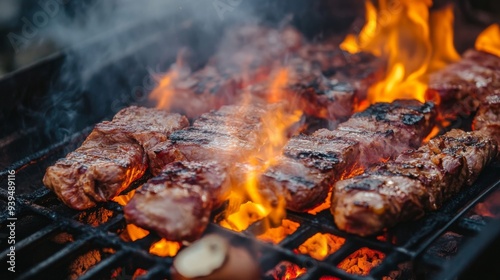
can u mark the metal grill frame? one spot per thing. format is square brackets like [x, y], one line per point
[449, 218]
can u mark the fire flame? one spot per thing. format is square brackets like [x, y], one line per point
[489, 40]
[164, 92]
[414, 42]
[271, 140]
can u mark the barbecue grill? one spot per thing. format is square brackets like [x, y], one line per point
[52, 241]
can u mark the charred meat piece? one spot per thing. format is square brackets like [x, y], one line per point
[177, 203]
[246, 56]
[487, 118]
[321, 82]
[112, 156]
[462, 86]
[359, 70]
[311, 164]
[204, 90]
[415, 182]
[225, 135]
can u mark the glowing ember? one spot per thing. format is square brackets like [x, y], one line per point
[287, 271]
[362, 261]
[276, 235]
[489, 40]
[320, 245]
[413, 41]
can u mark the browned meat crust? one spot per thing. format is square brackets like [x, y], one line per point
[323, 80]
[415, 182]
[311, 164]
[177, 203]
[487, 118]
[112, 156]
[227, 135]
[462, 86]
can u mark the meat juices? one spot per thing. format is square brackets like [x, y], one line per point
[415, 182]
[311, 164]
[112, 156]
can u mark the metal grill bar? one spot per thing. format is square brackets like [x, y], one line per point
[409, 248]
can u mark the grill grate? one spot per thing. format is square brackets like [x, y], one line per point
[34, 203]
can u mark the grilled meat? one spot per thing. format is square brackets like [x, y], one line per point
[225, 135]
[487, 118]
[311, 164]
[203, 90]
[177, 203]
[323, 80]
[462, 86]
[415, 182]
[112, 156]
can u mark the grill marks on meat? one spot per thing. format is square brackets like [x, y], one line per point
[177, 203]
[462, 86]
[225, 135]
[112, 156]
[311, 164]
[415, 182]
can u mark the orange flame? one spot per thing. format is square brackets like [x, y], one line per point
[413, 41]
[489, 40]
[164, 92]
[271, 140]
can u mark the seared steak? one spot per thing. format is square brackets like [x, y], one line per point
[415, 182]
[112, 156]
[463, 85]
[227, 135]
[487, 118]
[311, 164]
[177, 203]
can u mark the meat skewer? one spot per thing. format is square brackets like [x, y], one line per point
[112, 156]
[415, 182]
[311, 164]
